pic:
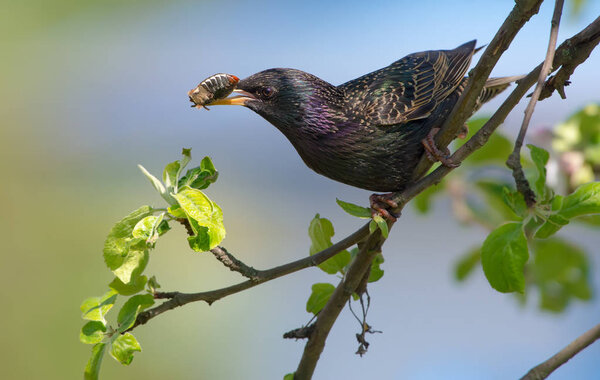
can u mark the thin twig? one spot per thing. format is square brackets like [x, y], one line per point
[328, 315]
[514, 160]
[179, 299]
[569, 53]
[234, 264]
[544, 369]
[520, 14]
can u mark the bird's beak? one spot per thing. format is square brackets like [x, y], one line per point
[239, 100]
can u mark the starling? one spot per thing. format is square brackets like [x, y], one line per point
[369, 132]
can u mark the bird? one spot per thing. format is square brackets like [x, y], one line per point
[369, 132]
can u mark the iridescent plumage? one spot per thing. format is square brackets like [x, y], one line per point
[366, 132]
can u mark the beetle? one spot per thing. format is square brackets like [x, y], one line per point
[213, 88]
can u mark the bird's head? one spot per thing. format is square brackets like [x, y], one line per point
[289, 99]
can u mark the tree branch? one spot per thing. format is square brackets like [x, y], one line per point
[571, 53]
[179, 299]
[329, 314]
[514, 160]
[585, 42]
[520, 14]
[544, 369]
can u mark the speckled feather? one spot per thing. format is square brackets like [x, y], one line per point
[367, 132]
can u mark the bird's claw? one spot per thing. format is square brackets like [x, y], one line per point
[381, 205]
[434, 153]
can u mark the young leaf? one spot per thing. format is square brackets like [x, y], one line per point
[125, 255]
[147, 228]
[503, 257]
[376, 271]
[132, 264]
[584, 200]
[320, 232]
[123, 348]
[92, 369]
[289, 376]
[382, 224]
[133, 287]
[354, 210]
[158, 186]
[467, 263]
[372, 226]
[173, 170]
[176, 211]
[153, 284]
[205, 216]
[95, 308]
[540, 158]
[200, 177]
[554, 223]
[321, 293]
[92, 332]
[131, 309]
[516, 202]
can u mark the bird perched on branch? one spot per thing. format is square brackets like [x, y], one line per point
[369, 132]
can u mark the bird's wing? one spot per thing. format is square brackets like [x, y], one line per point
[409, 88]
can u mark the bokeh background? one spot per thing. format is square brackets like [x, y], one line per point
[92, 88]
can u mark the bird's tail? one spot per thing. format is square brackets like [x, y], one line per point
[494, 86]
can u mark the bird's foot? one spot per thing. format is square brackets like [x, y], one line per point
[381, 205]
[434, 153]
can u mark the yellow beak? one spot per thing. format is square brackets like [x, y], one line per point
[239, 100]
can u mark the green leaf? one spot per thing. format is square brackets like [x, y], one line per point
[123, 348]
[158, 186]
[516, 202]
[422, 201]
[372, 226]
[289, 376]
[554, 223]
[124, 254]
[320, 232]
[503, 257]
[467, 263]
[95, 308]
[376, 271]
[561, 273]
[133, 287]
[176, 211]
[205, 216]
[497, 196]
[584, 200]
[143, 228]
[153, 284]
[92, 369]
[170, 176]
[354, 210]
[382, 224]
[131, 309]
[92, 332]
[321, 293]
[200, 177]
[173, 170]
[540, 158]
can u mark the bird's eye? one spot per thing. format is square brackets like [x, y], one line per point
[267, 92]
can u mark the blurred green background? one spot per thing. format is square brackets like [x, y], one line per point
[92, 88]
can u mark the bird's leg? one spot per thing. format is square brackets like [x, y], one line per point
[434, 153]
[381, 205]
